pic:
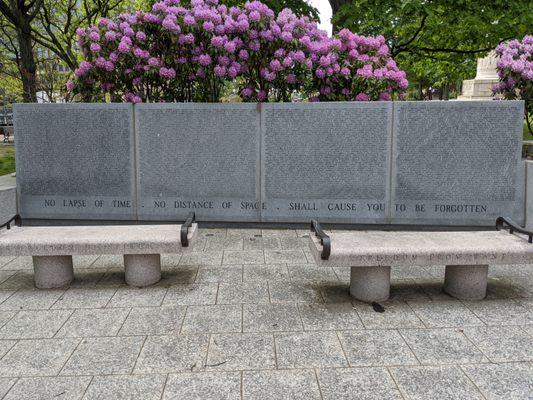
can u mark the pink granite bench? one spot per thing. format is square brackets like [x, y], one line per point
[52, 248]
[370, 255]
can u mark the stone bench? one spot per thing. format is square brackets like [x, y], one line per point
[52, 248]
[466, 255]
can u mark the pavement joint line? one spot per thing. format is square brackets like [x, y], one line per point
[242, 318]
[138, 355]
[123, 322]
[80, 340]
[415, 313]
[395, 382]
[11, 387]
[182, 322]
[15, 313]
[64, 322]
[87, 387]
[460, 367]
[409, 346]
[275, 350]
[209, 337]
[342, 348]
[242, 385]
[318, 383]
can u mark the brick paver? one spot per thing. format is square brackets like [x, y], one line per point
[248, 315]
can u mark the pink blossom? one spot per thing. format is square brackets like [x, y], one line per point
[384, 96]
[100, 62]
[254, 16]
[208, 26]
[232, 72]
[247, 92]
[286, 36]
[95, 47]
[168, 73]
[204, 59]
[189, 20]
[291, 78]
[261, 95]
[320, 73]
[230, 47]
[110, 35]
[94, 36]
[123, 47]
[201, 43]
[219, 70]
[217, 41]
[109, 66]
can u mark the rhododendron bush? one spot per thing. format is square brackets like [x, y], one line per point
[187, 53]
[515, 69]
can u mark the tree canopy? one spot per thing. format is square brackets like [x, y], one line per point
[436, 41]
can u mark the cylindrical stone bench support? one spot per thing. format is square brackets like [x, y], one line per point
[142, 269]
[466, 282]
[52, 271]
[370, 283]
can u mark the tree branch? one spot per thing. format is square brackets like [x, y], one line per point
[37, 4]
[455, 51]
[412, 39]
[7, 12]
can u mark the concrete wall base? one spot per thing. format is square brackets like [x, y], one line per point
[142, 269]
[466, 282]
[370, 283]
[52, 271]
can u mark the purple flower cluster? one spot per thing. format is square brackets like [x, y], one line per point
[515, 69]
[188, 53]
[515, 66]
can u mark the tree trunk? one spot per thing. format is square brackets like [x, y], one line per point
[335, 7]
[446, 92]
[28, 68]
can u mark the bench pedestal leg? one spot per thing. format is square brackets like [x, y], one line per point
[142, 269]
[467, 282]
[370, 283]
[52, 271]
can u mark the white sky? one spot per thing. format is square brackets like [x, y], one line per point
[325, 13]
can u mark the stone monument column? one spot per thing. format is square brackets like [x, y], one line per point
[480, 88]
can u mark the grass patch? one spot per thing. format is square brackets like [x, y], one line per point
[7, 159]
[527, 135]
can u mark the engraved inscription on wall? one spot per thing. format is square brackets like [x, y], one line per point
[326, 160]
[75, 160]
[455, 160]
[202, 158]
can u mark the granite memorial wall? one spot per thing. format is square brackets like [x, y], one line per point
[457, 162]
[424, 163]
[330, 160]
[201, 157]
[75, 161]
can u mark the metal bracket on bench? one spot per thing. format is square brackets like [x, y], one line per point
[184, 233]
[325, 240]
[508, 223]
[16, 219]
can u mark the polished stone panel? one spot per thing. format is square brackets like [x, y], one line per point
[198, 157]
[75, 161]
[457, 162]
[326, 160]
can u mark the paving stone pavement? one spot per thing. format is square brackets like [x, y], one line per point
[248, 315]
